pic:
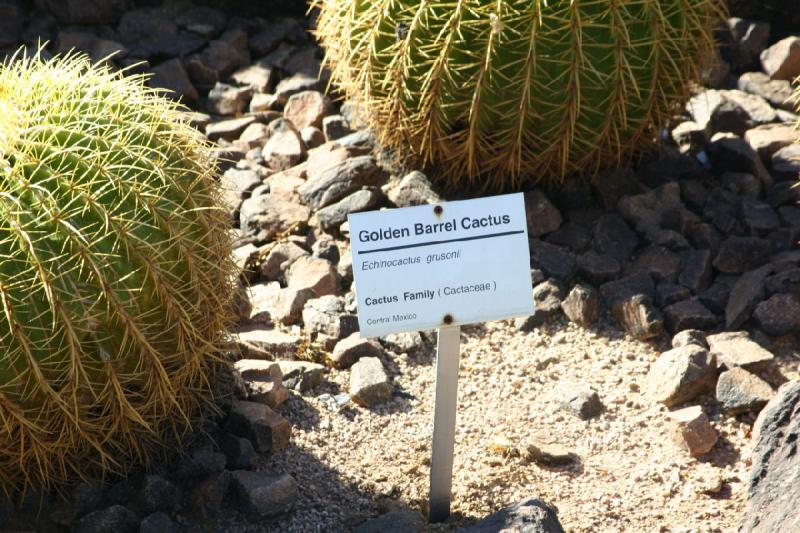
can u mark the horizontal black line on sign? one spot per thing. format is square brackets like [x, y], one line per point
[431, 243]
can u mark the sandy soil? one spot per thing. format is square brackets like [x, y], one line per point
[352, 463]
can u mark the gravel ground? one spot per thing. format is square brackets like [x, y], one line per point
[352, 463]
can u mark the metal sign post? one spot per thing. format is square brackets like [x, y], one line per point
[444, 422]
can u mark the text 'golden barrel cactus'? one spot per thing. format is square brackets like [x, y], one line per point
[504, 91]
[114, 272]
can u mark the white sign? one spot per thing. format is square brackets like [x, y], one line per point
[429, 266]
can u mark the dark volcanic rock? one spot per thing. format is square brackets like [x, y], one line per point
[740, 254]
[696, 273]
[745, 295]
[689, 314]
[613, 237]
[597, 268]
[773, 490]
[528, 516]
[554, 260]
[779, 314]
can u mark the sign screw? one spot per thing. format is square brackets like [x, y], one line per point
[438, 210]
[448, 319]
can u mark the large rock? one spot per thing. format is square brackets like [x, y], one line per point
[773, 487]
[326, 320]
[350, 349]
[689, 314]
[582, 305]
[740, 254]
[779, 314]
[546, 304]
[781, 61]
[265, 216]
[769, 138]
[542, 216]
[613, 237]
[681, 374]
[732, 349]
[267, 430]
[578, 398]
[369, 383]
[555, 261]
[284, 149]
[116, 518]
[316, 274]
[172, 76]
[266, 343]
[263, 495]
[739, 391]
[306, 108]
[528, 516]
[334, 214]
[777, 92]
[414, 189]
[745, 295]
[691, 430]
[331, 183]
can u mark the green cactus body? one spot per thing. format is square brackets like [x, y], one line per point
[115, 272]
[504, 91]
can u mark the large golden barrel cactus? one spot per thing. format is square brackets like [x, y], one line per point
[114, 272]
[502, 91]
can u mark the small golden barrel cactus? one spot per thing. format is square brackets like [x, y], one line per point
[498, 92]
[114, 272]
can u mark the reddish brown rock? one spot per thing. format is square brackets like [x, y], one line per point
[691, 430]
[306, 108]
[316, 274]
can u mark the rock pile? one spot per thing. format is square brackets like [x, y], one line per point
[698, 242]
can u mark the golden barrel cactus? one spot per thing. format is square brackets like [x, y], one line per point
[115, 272]
[498, 92]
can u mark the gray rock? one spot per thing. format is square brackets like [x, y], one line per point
[613, 237]
[229, 130]
[335, 127]
[777, 92]
[218, 61]
[408, 342]
[546, 304]
[401, 521]
[289, 303]
[158, 494]
[582, 305]
[332, 183]
[228, 100]
[576, 237]
[668, 293]
[334, 214]
[732, 154]
[690, 336]
[660, 263]
[739, 391]
[316, 274]
[263, 217]
[200, 462]
[159, 522]
[116, 518]
[553, 260]
[528, 516]
[279, 259]
[296, 84]
[369, 384]
[772, 485]
[740, 254]
[414, 189]
[779, 314]
[745, 295]
[259, 77]
[239, 452]
[208, 495]
[689, 314]
[350, 349]
[696, 273]
[262, 495]
[732, 349]
[268, 431]
[284, 149]
[781, 61]
[325, 318]
[542, 216]
[681, 374]
[759, 216]
[786, 161]
[301, 375]
[172, 76]
[578, 398]
[659, 215]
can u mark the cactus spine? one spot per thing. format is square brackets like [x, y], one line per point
[499, 92]
[114, 272]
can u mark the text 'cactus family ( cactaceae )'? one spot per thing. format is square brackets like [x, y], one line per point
[503, 91]
[114, 272]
